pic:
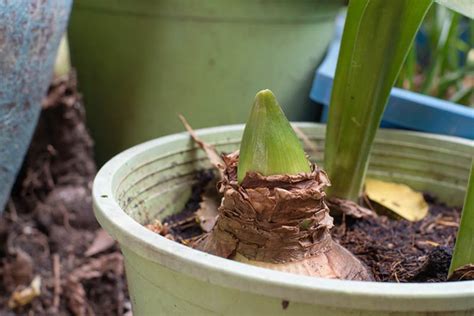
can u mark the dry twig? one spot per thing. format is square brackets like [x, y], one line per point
[57, 281]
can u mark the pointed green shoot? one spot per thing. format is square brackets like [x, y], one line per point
[269, 144]
[464, 248]
[376, 40]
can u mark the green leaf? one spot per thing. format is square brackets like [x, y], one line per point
[464, 248]
[269, 144]
[462, 94]
[448, 31]
[464, 7]
[376, 39]
[62, 64]
[451, 78]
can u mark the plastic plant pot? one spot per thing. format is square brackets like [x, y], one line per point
[405, 109]
[30, 31]
[141, 62]
[154, 179]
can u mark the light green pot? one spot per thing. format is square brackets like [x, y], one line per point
[140, 62]
[154, 179]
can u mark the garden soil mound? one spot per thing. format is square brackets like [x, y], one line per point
[48, 229]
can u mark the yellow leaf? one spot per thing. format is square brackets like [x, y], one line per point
[26, 295]
[398, 198]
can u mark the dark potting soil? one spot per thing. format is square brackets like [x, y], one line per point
[183, 225]
[48, 229]
[394, 250]
[404, 251]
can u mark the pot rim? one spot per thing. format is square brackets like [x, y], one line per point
[232, 274]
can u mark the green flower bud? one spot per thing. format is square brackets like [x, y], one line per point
[269, 144]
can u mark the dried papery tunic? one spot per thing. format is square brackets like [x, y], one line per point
[279, 222]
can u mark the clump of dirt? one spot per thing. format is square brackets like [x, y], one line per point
[394, 250]
[48, 229]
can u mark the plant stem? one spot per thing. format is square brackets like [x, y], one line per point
[374, 45]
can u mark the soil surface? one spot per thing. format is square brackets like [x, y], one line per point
[404, 251]
[48, 230]
[394, 250]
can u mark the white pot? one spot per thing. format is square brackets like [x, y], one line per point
[154, 179]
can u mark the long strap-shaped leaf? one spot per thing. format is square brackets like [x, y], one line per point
[464, 249]
[376, 39]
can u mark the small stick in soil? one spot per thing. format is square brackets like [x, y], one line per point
[66, 221]
[12, 211]
[214, 158]
[343, 224]
[120, 296]
[367, 202]
[57, 281]
[48, 175]
[396, 277]
[183, 223]
[447, 223]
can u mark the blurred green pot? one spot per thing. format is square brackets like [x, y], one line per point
[154, 179]
[140, 62]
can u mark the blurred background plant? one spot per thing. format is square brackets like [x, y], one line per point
[441, 61]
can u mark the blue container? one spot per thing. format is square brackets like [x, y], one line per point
[405, 109]
[30, 31]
